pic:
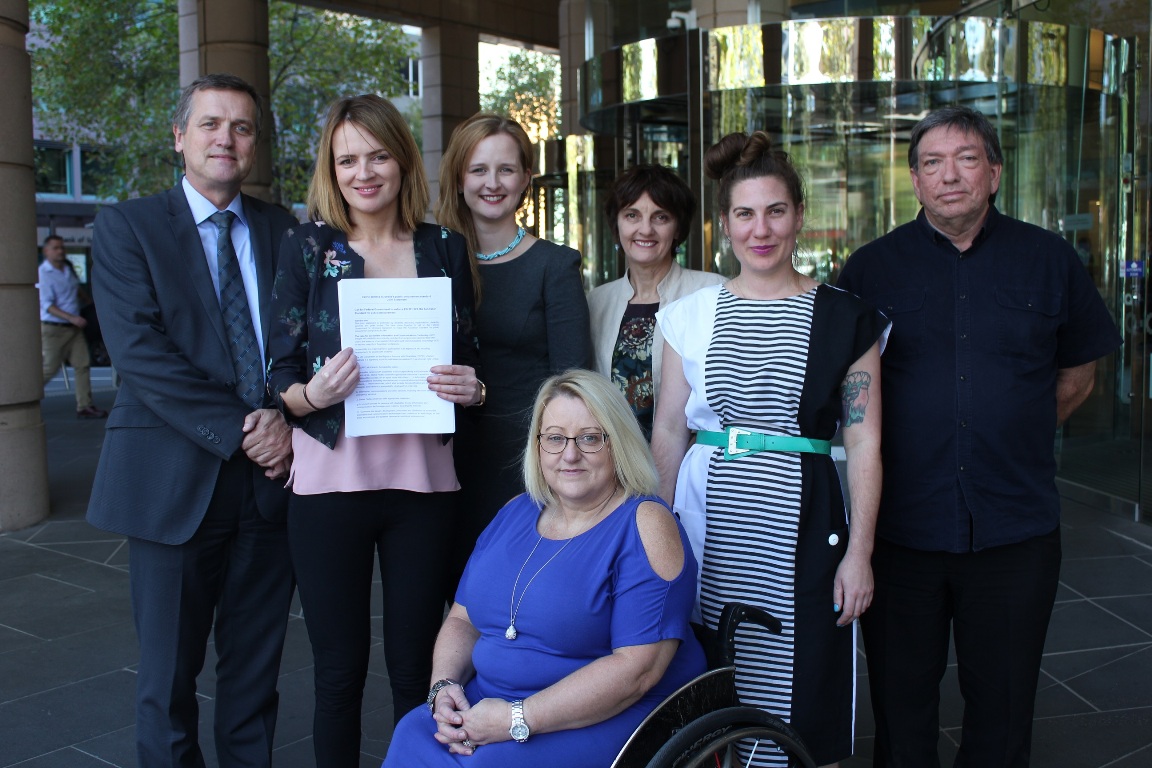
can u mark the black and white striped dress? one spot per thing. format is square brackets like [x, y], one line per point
[755, 374]
[770, 528]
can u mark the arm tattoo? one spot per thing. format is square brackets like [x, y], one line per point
[854, 394]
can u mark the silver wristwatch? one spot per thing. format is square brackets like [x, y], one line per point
[519, 730]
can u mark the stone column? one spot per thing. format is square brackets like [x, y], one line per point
[23, 455]
[231, 36]
[451, 72]
[584, 34]
[711, 14]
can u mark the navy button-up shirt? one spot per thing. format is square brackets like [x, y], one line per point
[969, 377]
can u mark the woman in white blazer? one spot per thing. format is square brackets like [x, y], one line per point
[650, 211]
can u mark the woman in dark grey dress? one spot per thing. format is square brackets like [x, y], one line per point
[531, 318]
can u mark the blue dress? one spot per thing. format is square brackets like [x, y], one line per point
[598, 594]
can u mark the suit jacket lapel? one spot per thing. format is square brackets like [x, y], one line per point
[191, 249]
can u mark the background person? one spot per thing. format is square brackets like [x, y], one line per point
[382, 496]
[996, 332]
[786, 361]
[650, 211]
[531, 320]
[62, 338]
[193, 460]
[600, 578]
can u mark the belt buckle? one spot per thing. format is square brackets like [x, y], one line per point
[734, 433]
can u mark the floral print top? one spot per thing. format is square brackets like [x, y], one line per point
[632, 362]
[313, 259]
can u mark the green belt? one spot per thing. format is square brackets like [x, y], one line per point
[737, 442]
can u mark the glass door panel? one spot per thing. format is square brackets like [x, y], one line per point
[1064, 159]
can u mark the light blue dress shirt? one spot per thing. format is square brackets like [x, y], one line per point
[202, 209]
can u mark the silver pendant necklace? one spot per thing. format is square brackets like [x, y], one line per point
[514, 607]
[497, 254]
[513, 603]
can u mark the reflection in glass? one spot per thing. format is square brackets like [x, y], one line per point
[977, 49]
[1010, 42]
[53, 167]
[1062, 99]
[883, 49]
[95, 167]
[638, 71]
[928, 59]
[820, 51]
[736, 58]
[583, 229]
[1048, 46]
[1110, 58]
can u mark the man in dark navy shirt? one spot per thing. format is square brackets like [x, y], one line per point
[996, 329]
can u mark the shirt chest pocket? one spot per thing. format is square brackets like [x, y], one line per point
[903, 308]
[1027, 322]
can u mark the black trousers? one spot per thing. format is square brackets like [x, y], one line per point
[232, 580]
[334, 538]
[997, 603]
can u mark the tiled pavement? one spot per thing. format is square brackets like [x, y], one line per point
[68, 649]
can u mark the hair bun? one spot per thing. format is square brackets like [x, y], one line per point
[736, 149]
[759, 145]
[724, 154]
[739, 157]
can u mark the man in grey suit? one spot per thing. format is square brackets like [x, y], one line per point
[194, 458]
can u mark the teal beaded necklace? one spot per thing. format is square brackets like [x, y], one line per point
[503, 251]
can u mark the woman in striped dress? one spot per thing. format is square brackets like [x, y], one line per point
[765, 369]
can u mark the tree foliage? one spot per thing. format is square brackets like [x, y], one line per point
[316, 57]
[527, 89]
[107, 74]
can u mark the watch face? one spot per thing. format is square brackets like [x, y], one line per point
[519, 731]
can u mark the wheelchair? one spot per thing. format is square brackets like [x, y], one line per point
[703, 723]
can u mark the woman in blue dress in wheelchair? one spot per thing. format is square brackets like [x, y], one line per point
[571, 622]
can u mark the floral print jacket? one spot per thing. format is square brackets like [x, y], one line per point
[314, 258]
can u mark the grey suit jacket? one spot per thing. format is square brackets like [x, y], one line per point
[177, 418]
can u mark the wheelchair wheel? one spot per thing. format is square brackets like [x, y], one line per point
[707, 741]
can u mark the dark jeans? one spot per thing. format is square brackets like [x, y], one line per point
[997, 602]
[334, 539]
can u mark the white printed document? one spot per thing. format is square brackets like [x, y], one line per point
[399, 328]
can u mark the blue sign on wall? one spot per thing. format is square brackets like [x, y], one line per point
[1134, 269]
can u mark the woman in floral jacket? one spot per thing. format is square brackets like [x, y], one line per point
[358, 498]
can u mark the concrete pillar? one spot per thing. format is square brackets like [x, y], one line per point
[711, 14]
[584, 34]
[451, 72]
[23, 455]
[232, 36]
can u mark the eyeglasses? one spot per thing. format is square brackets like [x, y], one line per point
[590, 442]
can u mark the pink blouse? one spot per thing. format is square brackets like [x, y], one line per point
[420, 463]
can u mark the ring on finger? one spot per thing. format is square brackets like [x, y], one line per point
[467, 744]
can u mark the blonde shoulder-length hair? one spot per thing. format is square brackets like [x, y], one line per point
[631, 457]
[381, 120]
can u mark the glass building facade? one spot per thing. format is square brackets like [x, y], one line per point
[839, 85]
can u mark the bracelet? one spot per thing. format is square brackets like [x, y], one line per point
[310, 405]
[438, 686]
[483, 392]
